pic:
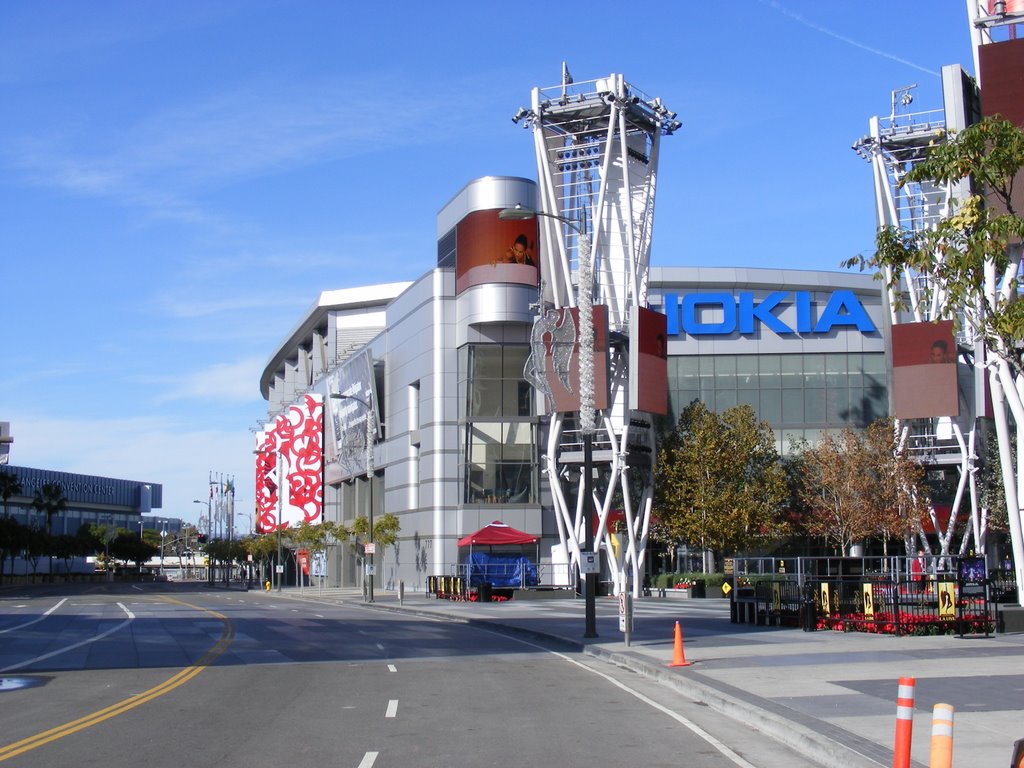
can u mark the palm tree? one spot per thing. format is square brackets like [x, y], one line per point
[49, 498]
[10, 485]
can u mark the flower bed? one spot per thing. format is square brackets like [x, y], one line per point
[885, 623]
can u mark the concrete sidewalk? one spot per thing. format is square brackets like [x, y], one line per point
[830, 695]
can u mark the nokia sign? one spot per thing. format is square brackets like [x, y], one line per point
[744, 314]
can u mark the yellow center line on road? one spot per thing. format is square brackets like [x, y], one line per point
[182, 677]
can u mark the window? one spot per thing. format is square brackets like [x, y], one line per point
[498, 446]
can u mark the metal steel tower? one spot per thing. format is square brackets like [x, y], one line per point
[597, 144]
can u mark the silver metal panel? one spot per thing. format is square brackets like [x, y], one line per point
[484, 194]
[494, 303]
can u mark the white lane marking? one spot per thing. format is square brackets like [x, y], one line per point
[392, 708]
[35, 620]
[318, 615]
[59, 651]
[368, 760]
[136, 587]
[725, 750]
[392, 668]
[381, 646]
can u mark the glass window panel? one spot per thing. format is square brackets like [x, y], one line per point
[814, 406]
[792, 370]
[725, 372]
[486, 399]
[874, 364]
[814, 370]
[486, 361]
[749, 397]
[877, 403]
[725, 399]
[514, 360]
[837, 405]
[687, 367]
[792, 406]
[835, 370]
[769, 372]
[707, 389]
[771, 406]
[525, 399]
[746, 372]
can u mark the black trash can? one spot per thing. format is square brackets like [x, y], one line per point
[699, 588]
[483, 592]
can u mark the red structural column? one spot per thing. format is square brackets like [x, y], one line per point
[904, 723]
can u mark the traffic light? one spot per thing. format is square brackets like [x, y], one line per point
[201, 538]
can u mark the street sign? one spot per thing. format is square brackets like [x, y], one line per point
[726, 588]
[589, 563]
[278, 569]
[370, 548]
[625, 612]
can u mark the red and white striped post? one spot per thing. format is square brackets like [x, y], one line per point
[942, 737]
[904, 723]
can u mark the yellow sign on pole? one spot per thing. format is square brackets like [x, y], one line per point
[947, 601]
[869, 601]
[826, 608]
[726, 588]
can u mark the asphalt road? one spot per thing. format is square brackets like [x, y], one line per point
[169, 675]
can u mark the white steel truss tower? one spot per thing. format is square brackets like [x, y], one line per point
[893, 146]
[597, 145]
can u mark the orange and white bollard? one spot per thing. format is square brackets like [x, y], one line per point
[942, 737]
[904, 723]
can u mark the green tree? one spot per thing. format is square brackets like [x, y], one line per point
[719, 484]
[319, 537]
[13, 538]
[386, 528]
[67, 547]
[128, 547]
[835, 483]
[50, 500]
[897, 496]
[10, 486]
[263, 548]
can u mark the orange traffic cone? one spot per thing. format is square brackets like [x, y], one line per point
[678, 657]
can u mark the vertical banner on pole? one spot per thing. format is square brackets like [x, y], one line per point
[904, 722]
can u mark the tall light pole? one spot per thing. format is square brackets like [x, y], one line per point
[209, 532]
[371, 434]
[584, 303]
[163, 538]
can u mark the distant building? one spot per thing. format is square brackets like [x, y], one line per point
[90, 499]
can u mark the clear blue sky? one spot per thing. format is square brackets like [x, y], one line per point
[180, 180]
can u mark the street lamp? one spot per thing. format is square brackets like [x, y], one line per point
[370, 435]
[584, 303]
